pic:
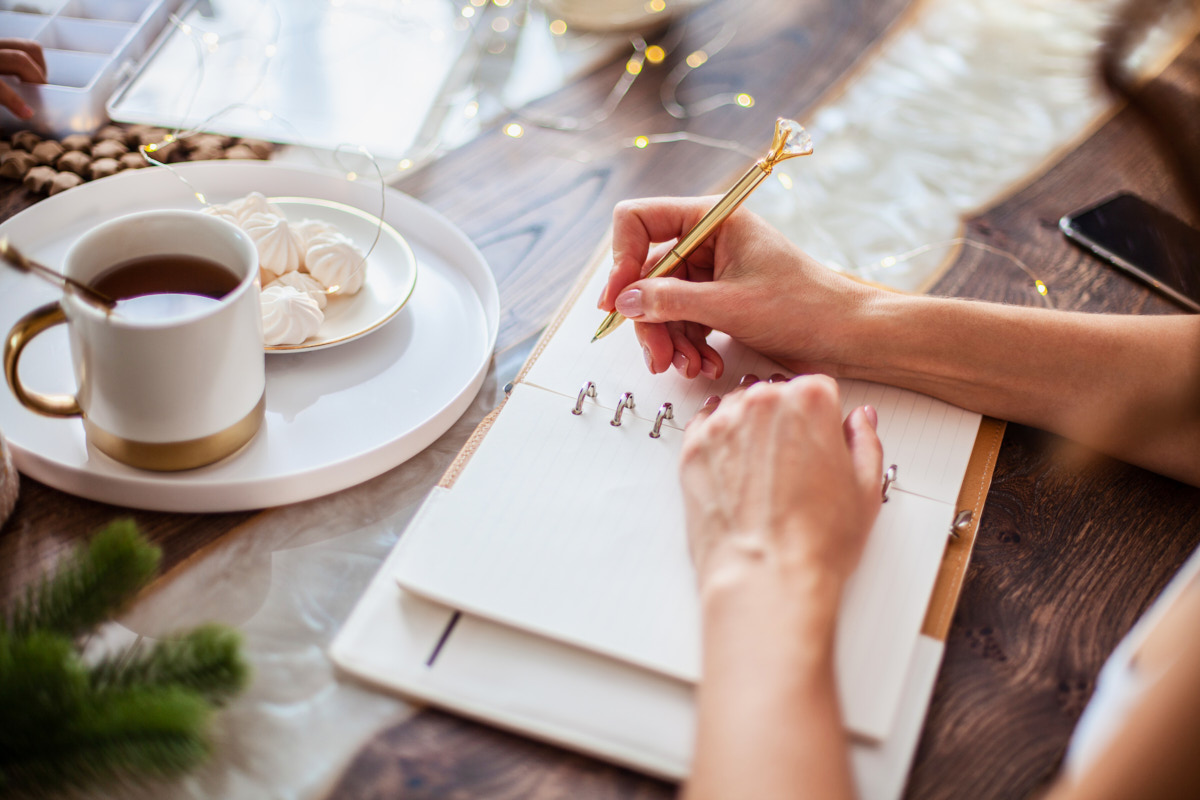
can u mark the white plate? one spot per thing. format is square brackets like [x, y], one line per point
[391, 272]
[334, 417]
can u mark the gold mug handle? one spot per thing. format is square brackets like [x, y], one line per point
[27, 327]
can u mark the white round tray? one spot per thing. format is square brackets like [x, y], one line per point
[334, 417]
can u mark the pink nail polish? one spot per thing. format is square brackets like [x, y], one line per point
[649, 359]
[708, 368]
[629, 303]
[872, 416]
[680, 361]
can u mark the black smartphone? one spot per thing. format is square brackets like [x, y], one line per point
[1143, 240]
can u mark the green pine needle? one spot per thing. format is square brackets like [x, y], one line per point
[132, 734]
[206, 660]
[94, 583]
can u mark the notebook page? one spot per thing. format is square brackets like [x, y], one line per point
[548, 529]
[929, 441]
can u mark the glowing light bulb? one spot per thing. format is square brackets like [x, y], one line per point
[211, 38]
[641, 142]
[633, 66]
[888, 262]
[558, 27]
[200, 197]
[351, 176]
[1041, 287]
[655, 54]
[745, 101]
[696, 59]
[514, 130]
[785, 179]
[403, 164]
[656, 6]
[479, 3]
[471, 109]
[468, 11]
[502, 3]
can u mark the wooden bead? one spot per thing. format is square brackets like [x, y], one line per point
[132, 161]
[208, 141]
[15, 164]
[109, 148]
[103, 167]
[207, 153]
[78, 141]
[111, 132]
[63, 181]
[38, 179]
[47, 152]
[241, 152]
[262, 149]
[74, 161]
[25, 140]
[5, 147]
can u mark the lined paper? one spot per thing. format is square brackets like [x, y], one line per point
[568, 527]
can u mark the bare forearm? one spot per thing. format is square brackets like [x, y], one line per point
[768, 719]
[1127, 385]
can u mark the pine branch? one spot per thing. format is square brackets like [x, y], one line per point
[94, 583]
[206, 660]
[132, 734]
[41, 683]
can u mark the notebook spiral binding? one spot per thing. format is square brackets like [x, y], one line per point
[665, 412]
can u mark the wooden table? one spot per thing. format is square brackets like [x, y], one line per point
[1071, 548]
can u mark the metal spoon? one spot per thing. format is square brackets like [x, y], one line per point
[16, 259]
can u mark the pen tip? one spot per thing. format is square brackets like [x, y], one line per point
[594, 338]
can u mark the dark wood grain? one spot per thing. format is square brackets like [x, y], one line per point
[1072, 546]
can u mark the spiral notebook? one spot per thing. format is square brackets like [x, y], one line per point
[566, 520]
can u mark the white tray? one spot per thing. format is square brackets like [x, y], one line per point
[334, 417]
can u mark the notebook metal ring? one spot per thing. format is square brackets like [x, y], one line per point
[625, 402]
[588, 390]
[664, 412]
[889, 478]
[962, 521]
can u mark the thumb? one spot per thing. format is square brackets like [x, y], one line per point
[866, 451]
[673, 300]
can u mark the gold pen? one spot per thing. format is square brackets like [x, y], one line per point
[790, 140]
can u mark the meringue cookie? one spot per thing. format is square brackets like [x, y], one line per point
[289, 315]
[305, 283]
[337, 263]
[278, 249]
[222, 211]
[309, 229]
[254, 203]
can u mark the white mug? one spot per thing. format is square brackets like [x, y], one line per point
[169, 393]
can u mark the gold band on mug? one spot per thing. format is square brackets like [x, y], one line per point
[175, 456]
[27, 327]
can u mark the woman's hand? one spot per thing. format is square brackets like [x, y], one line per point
[772, 477]
[780, 494]
[746, 280]
[23, 58]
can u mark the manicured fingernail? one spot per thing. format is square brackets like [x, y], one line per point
[872, 416]
[712, 400]
[629, 303]
[708, 368]
[778, 377]
[649, 359]
[748, 380]
[680, 361]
